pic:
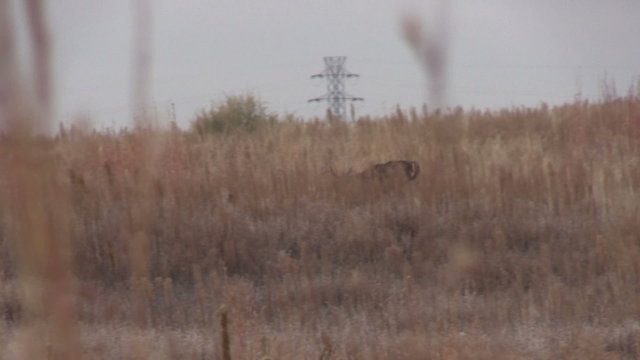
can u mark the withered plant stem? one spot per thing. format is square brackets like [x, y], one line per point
[225, 344]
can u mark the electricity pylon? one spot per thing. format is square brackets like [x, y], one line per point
[335, 73]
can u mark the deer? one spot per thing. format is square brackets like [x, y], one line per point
[391, 171]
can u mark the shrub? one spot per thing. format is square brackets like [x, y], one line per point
[244, 113]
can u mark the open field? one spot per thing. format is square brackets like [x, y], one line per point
[520, 239]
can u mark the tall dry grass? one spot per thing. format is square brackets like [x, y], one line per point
[518, 240]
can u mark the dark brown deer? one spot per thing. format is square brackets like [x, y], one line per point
[391, 171]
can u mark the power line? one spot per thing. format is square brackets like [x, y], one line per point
[335, 73]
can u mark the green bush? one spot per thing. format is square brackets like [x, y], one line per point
[236, 113]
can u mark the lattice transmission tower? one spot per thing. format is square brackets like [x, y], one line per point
[335, 73]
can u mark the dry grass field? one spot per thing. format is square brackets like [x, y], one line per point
[520, 239]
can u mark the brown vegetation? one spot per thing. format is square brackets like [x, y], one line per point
[518, 241]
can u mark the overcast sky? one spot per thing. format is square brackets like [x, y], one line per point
[502, 53]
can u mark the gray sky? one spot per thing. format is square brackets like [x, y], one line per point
[502, 53]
